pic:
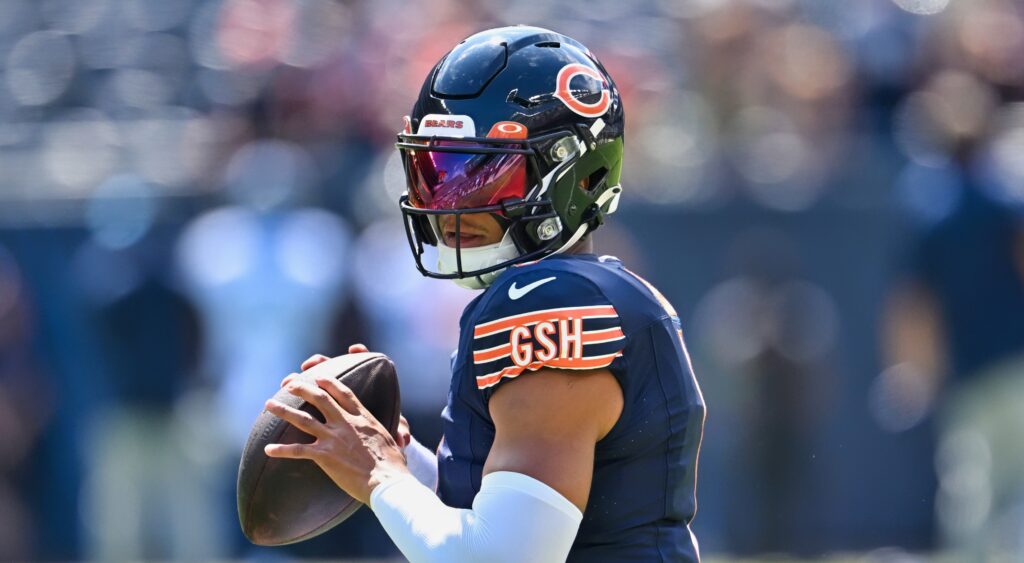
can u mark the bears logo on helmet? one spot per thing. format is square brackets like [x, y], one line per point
[564, 92]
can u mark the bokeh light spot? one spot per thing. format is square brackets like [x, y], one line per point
[922, 7]
[40, 67]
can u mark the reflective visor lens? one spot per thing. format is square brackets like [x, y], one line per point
[449, 180]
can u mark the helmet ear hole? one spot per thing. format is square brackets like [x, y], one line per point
[595, 179]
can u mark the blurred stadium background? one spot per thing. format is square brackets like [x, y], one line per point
[196, 195]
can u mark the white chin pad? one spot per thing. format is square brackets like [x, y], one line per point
[475, 258]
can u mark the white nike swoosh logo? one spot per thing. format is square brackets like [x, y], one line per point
[517, 292]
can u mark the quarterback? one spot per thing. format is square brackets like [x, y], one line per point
[574, 420]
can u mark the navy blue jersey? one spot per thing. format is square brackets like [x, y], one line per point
[581, 312]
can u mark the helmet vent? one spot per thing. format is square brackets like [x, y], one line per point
[554, 44]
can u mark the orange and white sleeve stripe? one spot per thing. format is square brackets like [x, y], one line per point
[574, 338]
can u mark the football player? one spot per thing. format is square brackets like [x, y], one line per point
[574, 419]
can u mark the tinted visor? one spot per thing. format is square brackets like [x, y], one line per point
[460, 180]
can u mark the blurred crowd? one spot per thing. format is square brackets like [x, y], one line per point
[196, 195]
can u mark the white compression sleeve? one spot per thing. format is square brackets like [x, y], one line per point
[515, 518]
[422, 463]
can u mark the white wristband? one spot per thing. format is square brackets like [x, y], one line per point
[422, 463]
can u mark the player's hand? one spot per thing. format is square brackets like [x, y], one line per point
[403, 435]
[352, 447]
[320, 358]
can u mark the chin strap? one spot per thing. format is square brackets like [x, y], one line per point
[572, 240]
[609, 196]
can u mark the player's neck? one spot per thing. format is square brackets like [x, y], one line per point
[584, 246]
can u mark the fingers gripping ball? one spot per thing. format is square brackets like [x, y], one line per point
[282, 501]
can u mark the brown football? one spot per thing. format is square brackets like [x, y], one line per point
[282, 501]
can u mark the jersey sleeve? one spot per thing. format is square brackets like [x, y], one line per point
[541, 319]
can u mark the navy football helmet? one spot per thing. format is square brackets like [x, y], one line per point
[519, 122]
